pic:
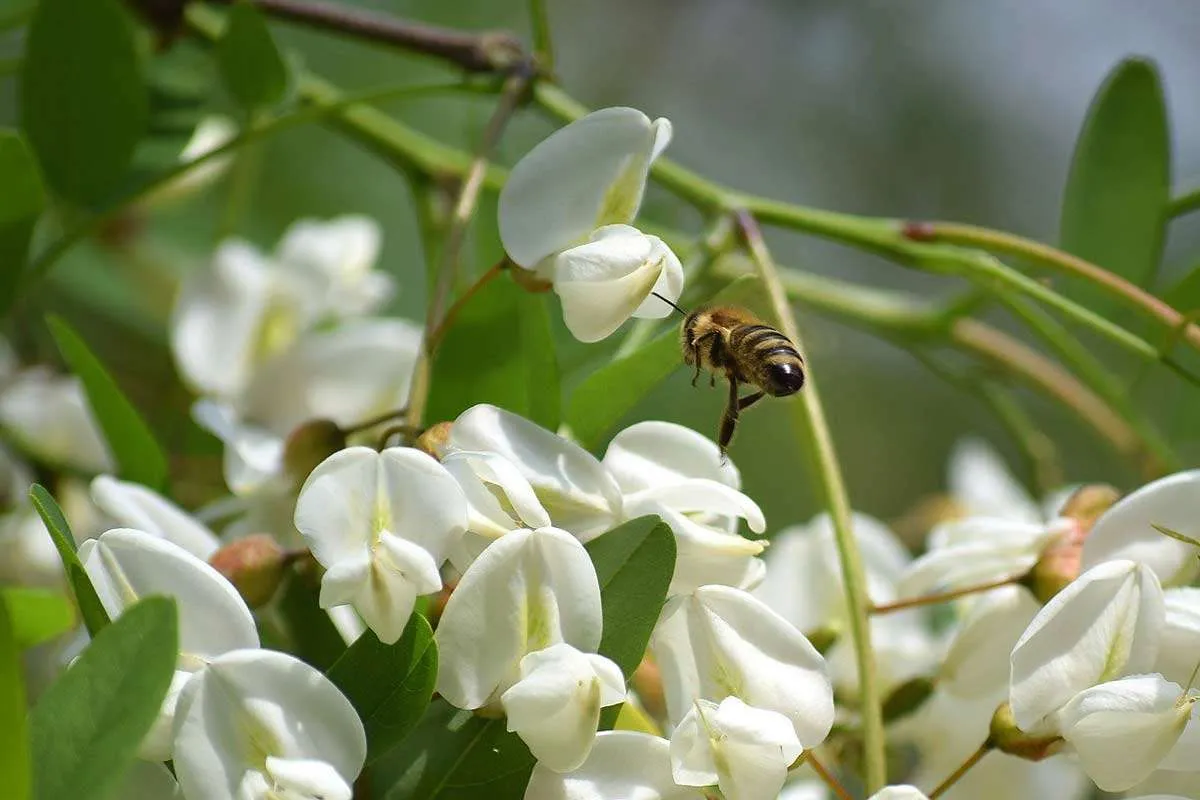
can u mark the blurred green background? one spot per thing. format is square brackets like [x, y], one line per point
[942, 109]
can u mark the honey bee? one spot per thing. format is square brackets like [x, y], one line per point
[748, 351]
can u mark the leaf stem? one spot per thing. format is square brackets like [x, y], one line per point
[811, 415]
[543, 41]
[940, 597]
[827, 777]
[963, 768]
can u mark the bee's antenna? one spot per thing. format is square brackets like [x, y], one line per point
[668, 302]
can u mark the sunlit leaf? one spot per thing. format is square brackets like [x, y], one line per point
[86, 728]
[83, 104]
[138, 455]
[21, 201]
[251, 67]
[15, 774]
[37, 615]
[389, 685]
[1115, 204]
[94, 616]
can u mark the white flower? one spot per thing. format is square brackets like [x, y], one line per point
[526, 591]
[623, 765]
[260, 725]
[1127, 529]
[980, 550]
[381, 524]
[572, 486]
[610, 278]
[719, 641]
[588, 174]
[337, 258]
[1179, 649]
[902, 792]
[132, 505]
[982, 486]
[555, 706]
[976, 663]
[125, 565]
[744, 750]
[48, 417]
[1122, 730]
[650, 454]
[1103, 625]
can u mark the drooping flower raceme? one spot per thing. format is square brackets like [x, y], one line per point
[565, 213]
[521, 629]
[382, 524]
[125, 565]
[261, 725]
[622, 764]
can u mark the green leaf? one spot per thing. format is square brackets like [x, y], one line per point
[94, 616]
[455, 755]
[389, 685]
[138, 455]
[83, 104]
[15, 774]
[1184, 295]
[37, 615]
[251, 67]
[498, 350]
[1115, 203]
[87, 727]
[611, 392]
[311, 634]
[21, 201]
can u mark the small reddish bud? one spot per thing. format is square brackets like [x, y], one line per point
[647, 682]
[254, 566]
[1062, 561]
[918, 231]
[310, 444]
[435, 439]
[1005, 736]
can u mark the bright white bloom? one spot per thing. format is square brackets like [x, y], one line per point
[719, 641]
[261, 725]
[126, 565]
[903, 792]
[1179, 651]
[48, 417]
[1105, 624]
[572, 486]
[982, 486]
[976, 663]
[1122, 730]
[744, 750]
[586, 175]
[131, 505]
[672, 471]
[980, 550]
[246, 306]
[1127, 529]
[381, 524]
[623, 765]
[528, 590]
[555, 706]
[610, 278]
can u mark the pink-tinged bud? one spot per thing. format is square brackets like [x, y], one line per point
[254, 566]
[435, 440]
[647, 682]
[308, 445]
[1005, 736]
[1061, 563]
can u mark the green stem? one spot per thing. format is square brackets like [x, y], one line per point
[963, 769]
[1185, 203]
[811, 416]
[543, 41]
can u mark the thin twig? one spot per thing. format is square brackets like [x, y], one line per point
[940, 597]
[963, 768]
[812, 415]
[827, 777]
[435, 336]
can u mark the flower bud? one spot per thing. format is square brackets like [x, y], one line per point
[254, 566]
[647, 682]
[309, 444]
[1061, 563]
[434, 440]
[1005, 736]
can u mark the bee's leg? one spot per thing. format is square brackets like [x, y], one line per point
[729, 418]
[696, 357]
[696, 374]
[750, 400]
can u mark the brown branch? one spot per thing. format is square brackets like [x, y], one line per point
[489, 51]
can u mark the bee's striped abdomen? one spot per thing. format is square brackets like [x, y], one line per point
[770, 357]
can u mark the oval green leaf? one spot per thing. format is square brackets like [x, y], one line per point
[1115, 203]
[87, 727]
[251, 67]
[83, 103]
[94, 616]
[15, 774]
[390, 686]
[138, 455]
[37, 615]
[21, 201]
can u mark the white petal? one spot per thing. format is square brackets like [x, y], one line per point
[256, 703]
[1126, 530]
[578, 493]
[1122, 730]
[338, 508]
[587, 174]
[485, 479]
[307, 779]
[700, 495]
[704, 555]
[217, 319]
[422, 501]
[607, 280]
[1182, 757]
[1104, 624]
[622, 764]
[525, 592]
[49, 417]
[655, 453]
[982, 484]
[977, 661]
[555, 706]
[749, 749]
[693, 760]
[127, 565]
[134, 506]
[1179, 650]
[253, 455]
[904, 792]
